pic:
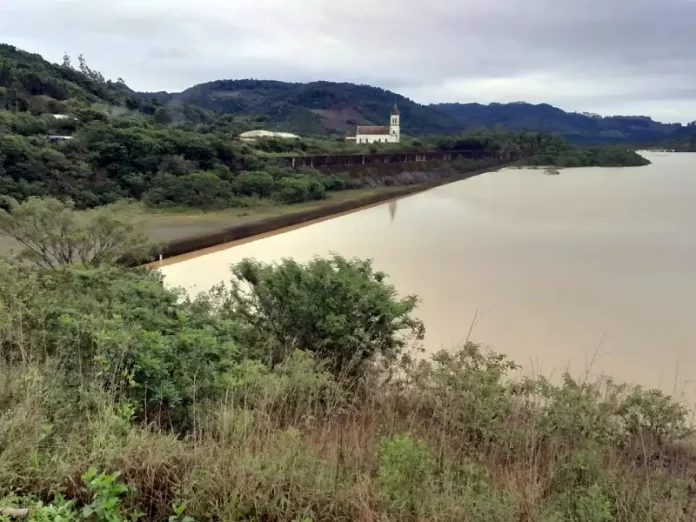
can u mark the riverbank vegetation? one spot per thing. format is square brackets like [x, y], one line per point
[298, 392]
[682, 141]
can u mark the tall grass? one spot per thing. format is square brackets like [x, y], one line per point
[455, 438]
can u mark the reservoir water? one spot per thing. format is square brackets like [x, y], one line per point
[595, 267]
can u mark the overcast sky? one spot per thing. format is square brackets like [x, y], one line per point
[605, 56]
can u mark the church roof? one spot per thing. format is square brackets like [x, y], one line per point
[372, 129]
[395, 110]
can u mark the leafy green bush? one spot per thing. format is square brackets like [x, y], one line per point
[296, 388]
[299, 189]
[259, 184]
[337, 182]
[197, 190]
[406, 469]
[121, 329]
[340, 309]
[465, 394]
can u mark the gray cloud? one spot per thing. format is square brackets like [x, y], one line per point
[607, 56]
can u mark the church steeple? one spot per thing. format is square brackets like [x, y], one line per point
[395, 124]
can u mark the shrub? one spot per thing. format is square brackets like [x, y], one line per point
[406, 469]
[339, 182]
[589, 504]
[340, 309]
[121, 330]
[465, 394]
[296, 389]
[299, 189]
[197, 190]
[259, 184]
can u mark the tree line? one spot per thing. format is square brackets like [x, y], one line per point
[68, 132]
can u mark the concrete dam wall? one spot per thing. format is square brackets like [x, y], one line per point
[354, 160]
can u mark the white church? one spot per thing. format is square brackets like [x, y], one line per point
[376, 134]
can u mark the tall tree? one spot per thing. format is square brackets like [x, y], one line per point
[162, 116]
[53, 233]
[67, 62]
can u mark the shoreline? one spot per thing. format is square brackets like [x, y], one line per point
[178, 250]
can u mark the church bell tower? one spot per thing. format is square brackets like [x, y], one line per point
[395, 125]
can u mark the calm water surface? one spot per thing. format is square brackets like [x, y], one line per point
[594, 263]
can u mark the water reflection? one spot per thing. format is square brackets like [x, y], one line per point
[392, 209]
[594, 266]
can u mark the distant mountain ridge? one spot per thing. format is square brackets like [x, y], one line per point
[28, 82]
[337, 108]
[577, 127]
[316, 107]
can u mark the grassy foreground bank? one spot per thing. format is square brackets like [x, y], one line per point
[294, 396]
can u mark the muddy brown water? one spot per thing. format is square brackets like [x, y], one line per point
[595, 267]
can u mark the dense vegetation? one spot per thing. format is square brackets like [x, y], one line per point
[109, 144]
[682, 141]
[292, 394]
[109, 159]
[28, 82]
[543, 149]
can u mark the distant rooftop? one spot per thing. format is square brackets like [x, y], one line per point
[254, 134]
[373, 130]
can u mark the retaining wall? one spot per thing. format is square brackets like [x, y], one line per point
[345, 160]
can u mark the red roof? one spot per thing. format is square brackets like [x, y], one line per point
[372, 129]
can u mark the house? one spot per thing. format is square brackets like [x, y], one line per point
[378, 134]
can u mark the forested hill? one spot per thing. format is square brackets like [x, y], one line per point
[576, 127]
[336, 108]
[684, 140]
[30, 83]
[312, 108]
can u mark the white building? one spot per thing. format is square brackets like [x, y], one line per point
[255, 135]
[377, 134]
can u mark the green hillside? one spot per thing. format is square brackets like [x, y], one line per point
[312, 108]
[684, 140]
[577, 127]
[30, 83]
[66, 131]
[336, 108]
